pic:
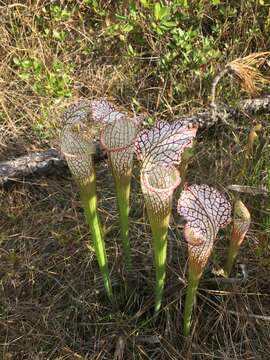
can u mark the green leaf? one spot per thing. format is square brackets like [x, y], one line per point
[26, 64]
[161, 12]
[131, 51]
[16, 61]
[59, 35]
[120, 17]
[145, 3]
[24, 76]
[157, 8]
[169, 24]
[127, 28]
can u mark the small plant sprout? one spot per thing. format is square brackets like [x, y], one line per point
[241, 223]
[252, 137]
[159, 149]
[185, 159]
[205, 211]
[118, 140]
[78, 147]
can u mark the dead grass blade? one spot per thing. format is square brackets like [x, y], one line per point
[247, 70]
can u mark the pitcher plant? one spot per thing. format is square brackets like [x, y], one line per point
[78, 148]
[158, 150]
[205, 210]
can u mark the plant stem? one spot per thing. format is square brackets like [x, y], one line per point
[193, 282]
[89, 200]
[186, 156]
[122, 194]
[159, 229]
[232, 253]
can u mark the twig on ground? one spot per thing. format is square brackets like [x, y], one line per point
[254, 316]
[120, 348]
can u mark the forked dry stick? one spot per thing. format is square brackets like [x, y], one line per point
[205, 210]
[78, 147]
[159, 149]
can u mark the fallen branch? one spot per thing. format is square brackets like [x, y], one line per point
[52, 162]
[39, 163]
[48, 162]
[224, 113]
[256, 106]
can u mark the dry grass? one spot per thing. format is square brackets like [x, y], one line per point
[53, 305]
[53, 302]
[247, 71]
[21, 108]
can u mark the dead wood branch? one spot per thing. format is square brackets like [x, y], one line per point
[37, 163]
[256, 106]
[48, 162]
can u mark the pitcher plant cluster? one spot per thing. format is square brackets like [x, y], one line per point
[159, 152]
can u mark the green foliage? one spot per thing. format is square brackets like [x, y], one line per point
[59, 13]
[55, 82]
[175, 45]
[168, 34]
[95, 6]
[42, 130]
[183, 41]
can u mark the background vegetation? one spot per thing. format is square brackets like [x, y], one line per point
[152, 56]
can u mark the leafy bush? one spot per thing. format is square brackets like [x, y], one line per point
[55, 82]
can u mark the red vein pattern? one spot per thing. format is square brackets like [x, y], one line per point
[241, 222]
[159, 149]
[103, 111]
[119, 134]
[77, 141]
[77, 112]
[206, 210]
[158, 185]
[164, 143]
[118, 140]
[78, 152]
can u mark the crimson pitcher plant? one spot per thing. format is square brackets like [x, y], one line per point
[205, 210]
[117, 138]
[158, 150]
[78, 147]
